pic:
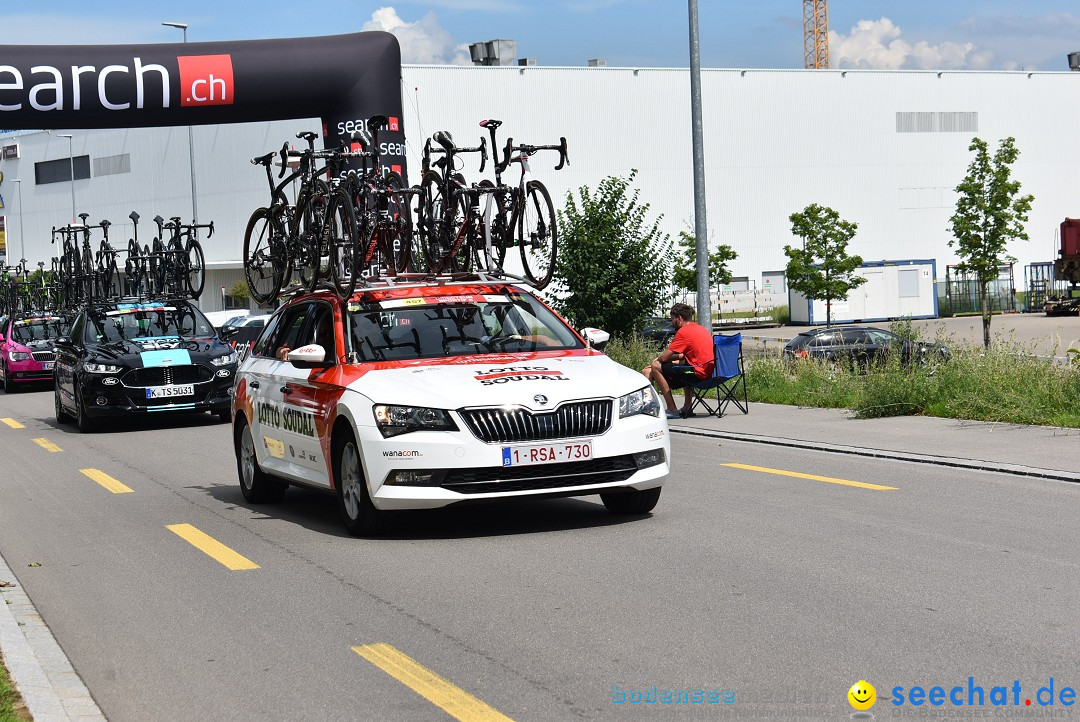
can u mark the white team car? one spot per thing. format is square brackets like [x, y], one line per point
[425, 395]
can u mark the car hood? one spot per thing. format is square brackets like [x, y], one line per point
[159, 351]
[538, 383]
[39, 345]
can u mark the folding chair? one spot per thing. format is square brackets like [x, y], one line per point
[728, 378]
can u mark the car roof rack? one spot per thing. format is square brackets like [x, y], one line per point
[413, 280]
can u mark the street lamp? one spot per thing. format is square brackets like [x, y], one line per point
[22, 232]
[191, 149]
[71, 158]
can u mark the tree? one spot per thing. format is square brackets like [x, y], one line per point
[686, 264]
[989, 214]
[613, 265]
[822, 269]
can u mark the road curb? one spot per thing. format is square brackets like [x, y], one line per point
[975, 464]
[39, 668]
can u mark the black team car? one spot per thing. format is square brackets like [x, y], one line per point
[124, 359]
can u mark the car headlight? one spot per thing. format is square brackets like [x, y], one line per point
[396, 420]
[95, 368]
[643, 401]
[229, 358]
[18, 356]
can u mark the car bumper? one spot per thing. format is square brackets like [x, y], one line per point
[101, 399]
[634, 454]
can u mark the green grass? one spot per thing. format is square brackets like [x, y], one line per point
[9, 698]
[1006, 384]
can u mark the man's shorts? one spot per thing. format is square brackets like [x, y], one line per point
[677, 375]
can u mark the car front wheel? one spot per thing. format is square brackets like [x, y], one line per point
[82, 420]
[360, 516]
[62, 415]
[631, 502]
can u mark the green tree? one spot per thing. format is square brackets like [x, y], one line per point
[822, 268]
[613, 265]
[686, 264]
[240, 291]
[989, 214]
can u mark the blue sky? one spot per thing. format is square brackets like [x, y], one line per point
[952, 34]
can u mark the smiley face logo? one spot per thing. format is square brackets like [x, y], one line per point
[862, 695]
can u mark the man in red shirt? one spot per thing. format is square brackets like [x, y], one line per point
[689, 357]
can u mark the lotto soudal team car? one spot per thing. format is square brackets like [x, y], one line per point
[134, 358]
[26, 348]
[423, 396]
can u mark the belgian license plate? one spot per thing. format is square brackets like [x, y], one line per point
[546, 453]
[47, 366]
[166, 392]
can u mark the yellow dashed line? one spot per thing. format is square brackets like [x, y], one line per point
[107, 481]
[451, 699]
[47, 445]
[13, 423]
[211, 547]
[813, 477]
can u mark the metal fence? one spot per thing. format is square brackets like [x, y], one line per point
[962, 291]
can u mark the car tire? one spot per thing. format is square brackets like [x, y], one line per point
[256, 485]
[83, 421]
[9, 383]
[358, 513]
[62, 416]
[631, 502]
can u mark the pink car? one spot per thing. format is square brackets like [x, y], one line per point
[26, 348]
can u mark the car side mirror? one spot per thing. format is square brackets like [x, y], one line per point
[596, 338]
[62, 341]
[312, 356]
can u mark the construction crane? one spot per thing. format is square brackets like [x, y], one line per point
[816, 33]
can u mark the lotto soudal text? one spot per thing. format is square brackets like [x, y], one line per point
[286, 419]
[519, 373]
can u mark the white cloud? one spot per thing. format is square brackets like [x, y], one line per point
[423, 41]
[877, 44]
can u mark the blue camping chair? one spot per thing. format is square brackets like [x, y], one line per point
[728, 378]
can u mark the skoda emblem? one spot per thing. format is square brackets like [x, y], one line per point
[540, 399]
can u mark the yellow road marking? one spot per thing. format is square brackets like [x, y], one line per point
[211, 547]
[453, 700]
[814, 477]
[107, 481]
[47, 445]
[13, 423]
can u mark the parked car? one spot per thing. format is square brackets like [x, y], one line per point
[241, 334]
[26, 348]
[221, 319]
[426, 395]
[125, 359]
[861, 345]
[659, 330]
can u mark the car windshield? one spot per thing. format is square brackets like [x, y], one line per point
[431, 326]
[147, 322]
[38, 329]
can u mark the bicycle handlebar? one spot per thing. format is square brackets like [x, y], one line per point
[527, 150]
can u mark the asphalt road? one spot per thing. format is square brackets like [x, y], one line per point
[783, 589]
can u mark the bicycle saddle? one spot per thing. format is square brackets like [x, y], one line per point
[135, 216]
[105, 224]
[491, 123]
[264, 159]
[378, 122]
[362, 136]
[307, 135]
[443, 138]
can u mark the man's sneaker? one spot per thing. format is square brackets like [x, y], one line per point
[684, 414]
[674, 414]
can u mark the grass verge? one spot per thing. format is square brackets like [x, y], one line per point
[12, 708]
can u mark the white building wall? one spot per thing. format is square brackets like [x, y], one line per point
[775, 141]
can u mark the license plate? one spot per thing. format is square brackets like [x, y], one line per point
[546, 453]
[165, 392]
[47, 366]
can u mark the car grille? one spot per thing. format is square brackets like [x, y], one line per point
[582, 418]
[167, 375]
[485, 480]
[44, 356]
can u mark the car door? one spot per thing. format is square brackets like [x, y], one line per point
[67, 356]
[309, 396]
[857, 346]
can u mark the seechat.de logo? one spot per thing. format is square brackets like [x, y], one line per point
[205, 80]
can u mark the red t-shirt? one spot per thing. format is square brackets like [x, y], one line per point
[695, 343]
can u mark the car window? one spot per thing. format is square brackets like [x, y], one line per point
[881, 337]
[855, 336]
[429, 327]
[146, 321]
[320, 329]
[288, 331]
[37, 329]
[264, 345]
[825, 339]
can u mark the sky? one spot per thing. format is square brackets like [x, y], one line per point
[887, 34]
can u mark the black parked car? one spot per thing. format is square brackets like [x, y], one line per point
[134, 358]
[659, 330]
[861, 345]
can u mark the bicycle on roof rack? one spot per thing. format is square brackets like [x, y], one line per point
[180, 269]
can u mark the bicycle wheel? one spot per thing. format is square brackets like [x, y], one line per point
[310, 212]
[492, 227]
[341, 231]
[537, 234]
[263, 270]
[397, 238]
[431, 223]
[111, 281]
[195, 273]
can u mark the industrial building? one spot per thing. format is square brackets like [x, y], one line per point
[885, 149]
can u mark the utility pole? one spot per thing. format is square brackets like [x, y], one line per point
[704, 303]
[191, 151]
